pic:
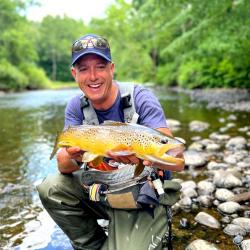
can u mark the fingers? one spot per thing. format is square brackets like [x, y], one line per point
[126, 159]
[75, 153]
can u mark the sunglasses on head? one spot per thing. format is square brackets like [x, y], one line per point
[92, 42]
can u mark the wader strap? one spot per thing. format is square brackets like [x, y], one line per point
[127, 101]
[90, 116]
[128, 104]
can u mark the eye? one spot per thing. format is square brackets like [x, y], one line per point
[164, 140]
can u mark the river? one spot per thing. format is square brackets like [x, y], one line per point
[29, 123]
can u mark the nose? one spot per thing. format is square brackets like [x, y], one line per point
[93, 75]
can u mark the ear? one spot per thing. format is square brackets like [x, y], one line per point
[73, 72]
[112, 67]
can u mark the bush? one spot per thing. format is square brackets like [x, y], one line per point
[37, 78]
[11, 78]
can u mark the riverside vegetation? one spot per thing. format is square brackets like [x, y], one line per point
[192, 44]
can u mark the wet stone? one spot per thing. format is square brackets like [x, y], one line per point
[188, 184]
[189, 192]
[205, 200]
[226, 219]
[234, 230]
[212, 165]
[229, 207]
[243, 222]
[198, 126]
[238, 142]
[185, 202]
[219, 137]
[205, 187]
[207, 220]
[184, 223]
[194, 158]
[226, 179]
[201, 244]
[245, 244]
[237, 240]
[223, 194]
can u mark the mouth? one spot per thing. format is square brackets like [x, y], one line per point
[94, 86]
[176, 152]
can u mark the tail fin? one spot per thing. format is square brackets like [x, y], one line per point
[55, 147]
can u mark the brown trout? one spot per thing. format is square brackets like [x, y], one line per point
[122, 139]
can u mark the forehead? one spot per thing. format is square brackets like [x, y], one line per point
[91, 58]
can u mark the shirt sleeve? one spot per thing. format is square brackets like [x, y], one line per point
[73, 113]
[149, 108]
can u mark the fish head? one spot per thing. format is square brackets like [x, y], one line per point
[171, 150]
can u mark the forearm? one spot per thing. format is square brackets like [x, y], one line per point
[65, 163]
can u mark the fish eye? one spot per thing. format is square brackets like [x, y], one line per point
[164, 140]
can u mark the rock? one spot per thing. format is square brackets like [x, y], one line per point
[194, 158]
[232, 117]
[189, 192]
[207, 220]
[243, 222]
[197, 146]
[205, 200]
[212, 165]
[234, 230]
[219, 137]
[245, 244]
[229, 207]
[213, 147]
[205, 187]
[223, 194]
[184, 223]
[198, 126]
[238, 142]
[241, 197]
[185, 202]
[188, 184]
[226, 179]
[174, 125]
[201, 244]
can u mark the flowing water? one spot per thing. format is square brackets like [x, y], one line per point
[29, 122]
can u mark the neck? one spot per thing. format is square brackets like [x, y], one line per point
[106, 104]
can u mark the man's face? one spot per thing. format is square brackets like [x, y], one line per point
[94, 76]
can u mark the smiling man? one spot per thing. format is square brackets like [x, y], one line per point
[76, 208]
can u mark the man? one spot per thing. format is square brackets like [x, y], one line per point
[63, 196]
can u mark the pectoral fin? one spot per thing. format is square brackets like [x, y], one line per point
[122, 150]
[88, 156]
[139, 168]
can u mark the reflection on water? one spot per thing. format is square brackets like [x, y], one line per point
[29, 122]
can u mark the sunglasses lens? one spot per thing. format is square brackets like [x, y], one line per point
[77, 46]
[101, 43]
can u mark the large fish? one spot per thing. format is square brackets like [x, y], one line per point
[122, 139]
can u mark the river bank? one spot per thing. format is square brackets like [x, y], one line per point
[217, 169]
[226, 99]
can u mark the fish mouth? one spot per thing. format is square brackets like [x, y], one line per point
[176, 152]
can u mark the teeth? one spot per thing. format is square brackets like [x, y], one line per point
[94, 85]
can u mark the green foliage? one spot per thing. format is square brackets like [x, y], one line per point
[193, 44]
[11, 78]
[37, 78]
[56, 34]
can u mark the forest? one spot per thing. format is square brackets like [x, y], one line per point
[189, 44]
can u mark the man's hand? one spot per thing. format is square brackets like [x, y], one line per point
[66, 159]
[126, 159]
[75, 153]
